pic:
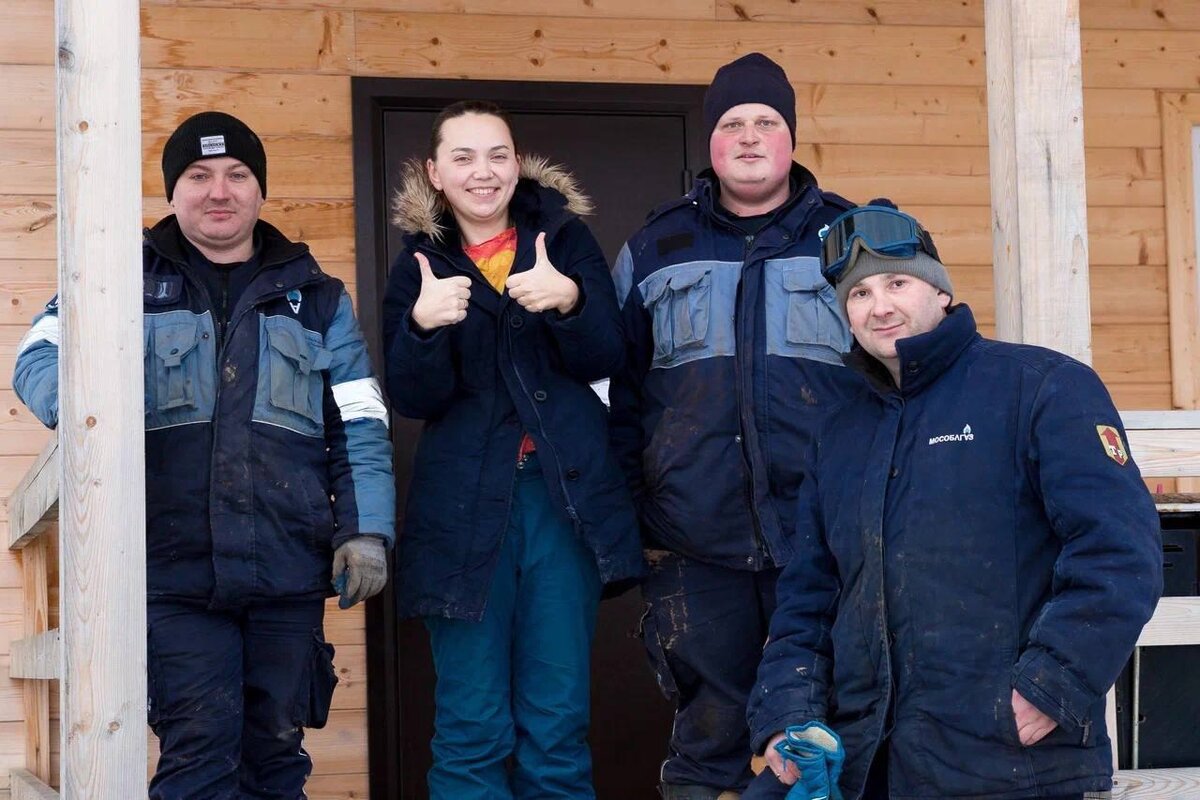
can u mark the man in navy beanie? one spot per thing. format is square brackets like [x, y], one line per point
[734, 357]
[268, 472]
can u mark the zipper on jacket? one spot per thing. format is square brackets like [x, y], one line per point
[571, 512]
[884, 633]
[224, 309]
[756, 540]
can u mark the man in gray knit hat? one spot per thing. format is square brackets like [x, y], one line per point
[975, 555]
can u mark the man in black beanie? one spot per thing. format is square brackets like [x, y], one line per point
[734, 357]
[268, 472]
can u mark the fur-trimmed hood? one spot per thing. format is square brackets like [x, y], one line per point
[419, 208]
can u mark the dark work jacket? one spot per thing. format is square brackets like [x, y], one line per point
[261, 456]
[978, 531]
[482, 383]
[734, 345]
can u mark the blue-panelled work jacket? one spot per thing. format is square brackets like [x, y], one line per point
[734, 346]
[982, 529]
[262, 457]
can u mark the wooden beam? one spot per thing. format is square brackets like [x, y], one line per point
[1039, 207]
[1166, 453]
[1176, 621]
[37, 657]
[1159, 420]
[1157, 784]
[1180, 113]
[35, 621]
[102, 531]
[26, 786]
[33, 504]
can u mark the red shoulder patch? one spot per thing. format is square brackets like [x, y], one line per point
[1114, 447]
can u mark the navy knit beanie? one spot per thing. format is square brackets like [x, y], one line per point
[212, 134]
[753, 78]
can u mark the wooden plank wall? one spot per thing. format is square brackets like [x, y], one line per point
[891, 102]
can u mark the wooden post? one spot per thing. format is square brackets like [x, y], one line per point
[102, 502]
[1039, 204]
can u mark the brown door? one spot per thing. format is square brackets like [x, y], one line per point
[631, 148]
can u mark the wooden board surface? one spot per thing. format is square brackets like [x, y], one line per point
[285, 104]
[316, 40]
[556, 49]
[1157, 784]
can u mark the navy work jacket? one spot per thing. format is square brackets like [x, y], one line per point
[264, 452]
[980, 530]
[734, 346]
[480, 384]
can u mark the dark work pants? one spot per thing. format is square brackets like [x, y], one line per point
[230, 694]
[704, 631]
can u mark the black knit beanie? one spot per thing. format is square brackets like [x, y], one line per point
[212, 134]
[753, 78]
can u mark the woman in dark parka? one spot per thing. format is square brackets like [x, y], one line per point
[499, 312]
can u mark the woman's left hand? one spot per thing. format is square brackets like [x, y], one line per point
[543, 287]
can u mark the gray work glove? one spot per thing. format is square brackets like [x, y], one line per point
[359, 569]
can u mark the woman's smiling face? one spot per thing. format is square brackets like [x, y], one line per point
[476, 168]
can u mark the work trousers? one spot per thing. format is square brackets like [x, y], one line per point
[230, 694]
[512, 695]
[704, 630]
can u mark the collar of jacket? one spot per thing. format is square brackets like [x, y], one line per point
[705, 190]
[923, 358]
[277, 249]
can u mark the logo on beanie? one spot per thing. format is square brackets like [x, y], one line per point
[212, 145]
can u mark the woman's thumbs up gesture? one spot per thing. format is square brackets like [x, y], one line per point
[442, 301]
[543, 287]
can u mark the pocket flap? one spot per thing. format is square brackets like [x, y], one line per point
[291, 343]
[687, 280]
[172, 342]
[803, 281]
[655, 288]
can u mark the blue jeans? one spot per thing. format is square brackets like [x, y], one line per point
[230, 695]
[512, 692]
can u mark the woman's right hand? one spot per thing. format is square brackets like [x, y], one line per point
[443, 301]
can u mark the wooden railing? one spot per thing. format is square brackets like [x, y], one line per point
[1164, 444]
[37, 658]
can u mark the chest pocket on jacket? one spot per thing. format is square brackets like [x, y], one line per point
[291, 382]
[802, 314]
[179, 368]
[691, 312]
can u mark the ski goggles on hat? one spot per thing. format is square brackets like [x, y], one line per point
[884, 231]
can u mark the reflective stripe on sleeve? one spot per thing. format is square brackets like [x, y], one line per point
[44, 330]
[360, 399]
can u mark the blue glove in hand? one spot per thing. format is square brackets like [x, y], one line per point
[817, 753]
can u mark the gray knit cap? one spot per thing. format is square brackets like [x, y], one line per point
[866, 264]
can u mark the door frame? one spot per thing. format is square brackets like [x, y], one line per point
[371, 98]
